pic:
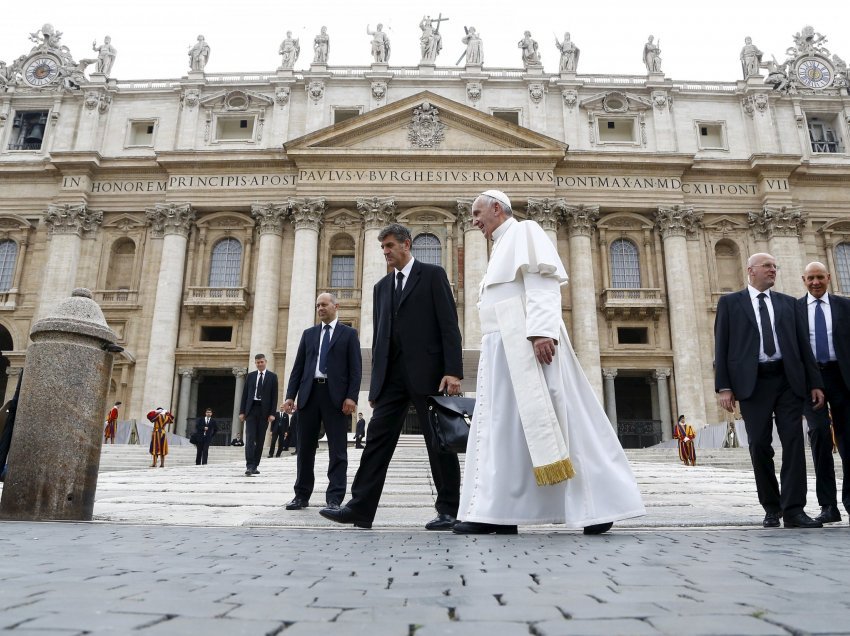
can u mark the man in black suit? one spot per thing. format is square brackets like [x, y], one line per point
[763, 359]
[416, 352]
[205, 430]
[326, 380]
[359, 431]
[828, 320]
[280, 430]
[259, 399]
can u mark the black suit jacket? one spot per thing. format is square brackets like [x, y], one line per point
[736, 345]
[840, 309]
[211, 431]
[281, 422]
[428, 329]
[269, 396]
[345, 365]
[361, 427]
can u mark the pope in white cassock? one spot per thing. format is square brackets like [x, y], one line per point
[541, 449]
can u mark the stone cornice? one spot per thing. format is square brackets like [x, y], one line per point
[677, 220]
[72, 218]
[170, 218]
[777, 220]
[581, 219]
[269, 217]
[377, 211]
[307, 213]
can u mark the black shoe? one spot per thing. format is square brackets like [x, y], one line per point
[255, 472]
[472, 527]
[801, 520]
[270, 456]
[771, 520]
[249, 473]
[332, 505]
[297, 504]
[294, 453]
[828, 514]
[599, 528]
[441, 522]
[344, 515]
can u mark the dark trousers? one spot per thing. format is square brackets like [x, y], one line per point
[203, 451]
[255, 435]
[773, 397]
[838, 400]
[278, 434]
[316, 412]
[381, 440]
[358, 440]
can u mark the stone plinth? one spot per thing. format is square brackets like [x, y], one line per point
[53, 462]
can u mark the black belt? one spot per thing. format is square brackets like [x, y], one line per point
[774, 367]
[832, 364]
[320, 380]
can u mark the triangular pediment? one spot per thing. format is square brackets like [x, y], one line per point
[425, 123]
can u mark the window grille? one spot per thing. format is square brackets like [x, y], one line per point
[625, 266]
[226, 265]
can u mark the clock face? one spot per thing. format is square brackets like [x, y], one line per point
[814, 74]
[41, 70]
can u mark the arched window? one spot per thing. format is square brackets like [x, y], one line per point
[342, 264]
[427, 248]
[842, 264]
[8, 257]
[226, 265]
[121, 260]
[625, 266]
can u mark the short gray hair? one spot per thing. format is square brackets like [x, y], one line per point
[400, 232]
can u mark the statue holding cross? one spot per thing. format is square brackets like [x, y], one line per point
[431, 42]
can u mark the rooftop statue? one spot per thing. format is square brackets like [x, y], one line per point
[777, 76]
[106, 54]
[530, 50]
[431, 42]
[380, 44]
[290, 49]
[199, 54]
[47, 39]
[750, 58]
[321, 47]
[652, 55]
[569, 54]
[474, 53]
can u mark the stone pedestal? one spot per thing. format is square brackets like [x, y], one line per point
[54, 459]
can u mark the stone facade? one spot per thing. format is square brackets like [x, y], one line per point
[207, 212]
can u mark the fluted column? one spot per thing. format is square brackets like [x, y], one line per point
[675, 224]
[661, 376]
[181, 424]
[474, 267]
[269, 219]
[581, 223]
[782, 225]
[610, 396]
[235, 423]
[307, 216]
[378, 212]
[67, 224]
[547, 213]
[172, 223]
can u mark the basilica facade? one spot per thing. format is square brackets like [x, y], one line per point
[207, 212]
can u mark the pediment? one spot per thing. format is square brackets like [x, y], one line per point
[616, 102]
[425, 123]
[123, 222]
[725, 223]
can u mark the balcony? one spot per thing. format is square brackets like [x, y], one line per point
[116, 297]
[631, 304]
[216, 302]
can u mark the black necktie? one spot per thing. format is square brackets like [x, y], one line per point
[821, 338]
[398, 289]
[766, 328]
[260, 386]
[323, 350]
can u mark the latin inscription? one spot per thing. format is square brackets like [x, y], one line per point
[664, 184]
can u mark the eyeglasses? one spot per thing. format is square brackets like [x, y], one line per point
[768, 266]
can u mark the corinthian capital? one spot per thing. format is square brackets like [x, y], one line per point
[68, 218]
[464, 214]
[773, 220]
[677, 220]
[546, 211]
[377, 211]
[307, 213]
[269, 217]
[170, 218]
[581, 219]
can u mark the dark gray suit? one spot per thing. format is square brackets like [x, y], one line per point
[257, 413]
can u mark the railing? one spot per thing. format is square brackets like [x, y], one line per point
[8, 299]
[30, 146]
[628, 296]
[223, 300]
[345, 293]
[638, 433]
[635, 303]
[116, 296]
[825, 146]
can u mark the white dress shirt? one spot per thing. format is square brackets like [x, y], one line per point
[332, 323]
[406, 271]
[811, 303]
[763, 357]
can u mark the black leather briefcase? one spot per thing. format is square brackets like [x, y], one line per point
[450, 418]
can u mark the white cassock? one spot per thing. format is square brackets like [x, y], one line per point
[499, 484]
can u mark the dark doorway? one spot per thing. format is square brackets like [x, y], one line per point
[6, 345]
[635, 426]
[216, 391]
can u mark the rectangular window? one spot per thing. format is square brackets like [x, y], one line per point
[141, 133]
[632, 335]
[711, 135]
[28, 128]
[341, 114]
[617, 130]
[235, 128]
[825, 132]
[211, 333]
[511, 116]
[342, 271]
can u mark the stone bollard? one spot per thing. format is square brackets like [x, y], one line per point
[55, 454]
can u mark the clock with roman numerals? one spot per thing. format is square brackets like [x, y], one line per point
[815, 73]
[41, 69]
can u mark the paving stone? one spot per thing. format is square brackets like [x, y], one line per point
[605, 627]
[716, 626]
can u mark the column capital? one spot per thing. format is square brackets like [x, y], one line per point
[307, 213]
[10, 371]
[269, 217]
[546, 212]
[464, 214]
[377, 211]
[72, 218]
[777, 220]
[662, 374]
[677, 220]
[239, 372]
[581, 219]
[186, 372]
[171, 218]
[609, 374]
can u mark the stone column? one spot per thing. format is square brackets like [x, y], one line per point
[269, 220]
[474, 267]
[676, 223]
[240, 373]
[180, 424]
[547, 213]
[67, 224]
[307, 215]
[11, 382]
[782, 226]
[662, 375]
[581, 223]
[53, 463]
[377, 213]
[172, 223]
[610, 396]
